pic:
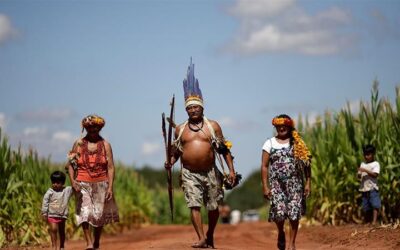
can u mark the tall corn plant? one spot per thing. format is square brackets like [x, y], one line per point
[21, 191]
[10, 186]
[336, 142]
[162, 209]
[134, 200]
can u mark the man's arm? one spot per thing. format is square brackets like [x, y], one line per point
[175, 156]
[227, 153]
[176, 153]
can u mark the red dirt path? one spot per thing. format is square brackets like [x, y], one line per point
[249, 236]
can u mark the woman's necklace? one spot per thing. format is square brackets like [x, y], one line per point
[196, 127]
[86, 154]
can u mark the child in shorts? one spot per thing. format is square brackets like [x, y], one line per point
[368, 173]
[55, 208]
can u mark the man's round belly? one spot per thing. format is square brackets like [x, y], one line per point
[198, 159]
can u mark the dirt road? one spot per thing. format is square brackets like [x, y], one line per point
[252, 236]
[249, 236]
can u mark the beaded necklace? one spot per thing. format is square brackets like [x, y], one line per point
[99, 151]
[198, 128]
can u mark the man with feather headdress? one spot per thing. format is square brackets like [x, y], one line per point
[197, 143]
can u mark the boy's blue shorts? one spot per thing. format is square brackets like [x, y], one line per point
[371, 200]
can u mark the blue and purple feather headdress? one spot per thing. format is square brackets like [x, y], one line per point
[191, 88]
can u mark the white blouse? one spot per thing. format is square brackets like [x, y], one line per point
[273, 143]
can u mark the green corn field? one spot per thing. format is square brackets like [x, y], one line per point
[336, 142]
[21, 188]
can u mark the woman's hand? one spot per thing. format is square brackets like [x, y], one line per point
[76, 186]
[307, 188]
[267, 193]
[109, 194]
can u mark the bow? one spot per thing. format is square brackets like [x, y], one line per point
[168, 151]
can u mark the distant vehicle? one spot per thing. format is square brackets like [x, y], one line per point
[251, 215]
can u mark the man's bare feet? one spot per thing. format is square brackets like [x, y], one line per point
[210, 242]
[200, 244]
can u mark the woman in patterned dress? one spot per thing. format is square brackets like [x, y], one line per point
[91, 171]
[285, 162]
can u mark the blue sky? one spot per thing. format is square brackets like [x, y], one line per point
[123, 60]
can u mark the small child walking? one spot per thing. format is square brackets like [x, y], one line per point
[55, 208]
[368, 173]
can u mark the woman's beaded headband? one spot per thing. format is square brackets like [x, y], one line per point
[93, 120]
[282, 121]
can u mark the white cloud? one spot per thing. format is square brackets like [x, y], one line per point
[63, 137]
[34, 131]
[229, 122]
[44, 140]
[270, 26]
[46, 115]
[272, 38]
[150, 148]
[259, 8]
[3, 121]
[7, 31]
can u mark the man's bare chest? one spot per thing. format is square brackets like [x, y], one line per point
[199, 136]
